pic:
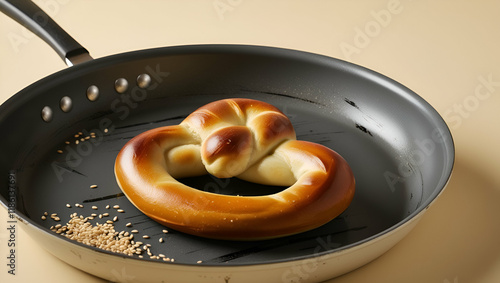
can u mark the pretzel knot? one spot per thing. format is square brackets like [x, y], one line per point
[242, 138]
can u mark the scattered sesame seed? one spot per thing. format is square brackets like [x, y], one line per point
[115, 218]
[145, 237]
[44, 217]
[77, 135]
[93, 186]
[94, 207]
[121, 210]
[134, 231]
[128, 224]
[109, 221]
[57, 218]
[105, 214]
[116, 206]
[100, 215]
[199, 261]
[45, 213]
[77, 142]
[106, 130]
[165, 231]
[68, 205]
[59, 151]
[67, 142]
[161, 255]
[160, 240]
[107, 206]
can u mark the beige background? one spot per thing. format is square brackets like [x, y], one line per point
[443, 50]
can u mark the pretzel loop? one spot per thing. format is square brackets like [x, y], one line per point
[242, 138]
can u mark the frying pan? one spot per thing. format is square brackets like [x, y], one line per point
[399, 148]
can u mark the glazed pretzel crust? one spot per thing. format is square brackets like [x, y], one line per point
[241, 138]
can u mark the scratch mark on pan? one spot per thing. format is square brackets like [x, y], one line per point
[105, 197]
[274, 245]
[350, 102]
[283, 95]
[134, 216]
[99, 115]
[147, 220]
[150, 227]
[363, 129]
[152, 122]
[367, 117]
[421, 190]
[65, 167]
[319, 134]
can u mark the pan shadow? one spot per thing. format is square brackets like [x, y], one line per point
[455, 241]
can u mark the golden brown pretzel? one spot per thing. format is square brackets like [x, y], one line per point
[242, 138]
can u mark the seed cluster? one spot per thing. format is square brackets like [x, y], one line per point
[104, 236]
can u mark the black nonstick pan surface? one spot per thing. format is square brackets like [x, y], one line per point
[399, 148]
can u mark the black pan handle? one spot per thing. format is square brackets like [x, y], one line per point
[36, 20]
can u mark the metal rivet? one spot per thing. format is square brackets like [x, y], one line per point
[47, 114]
[121, 85]
[66, 104]
[93, 93]
[143, 80]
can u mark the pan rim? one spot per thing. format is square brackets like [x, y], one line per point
[364, 72]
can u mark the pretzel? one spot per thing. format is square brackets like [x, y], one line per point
[242, 138]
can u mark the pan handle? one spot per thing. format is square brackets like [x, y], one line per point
[36, 20]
